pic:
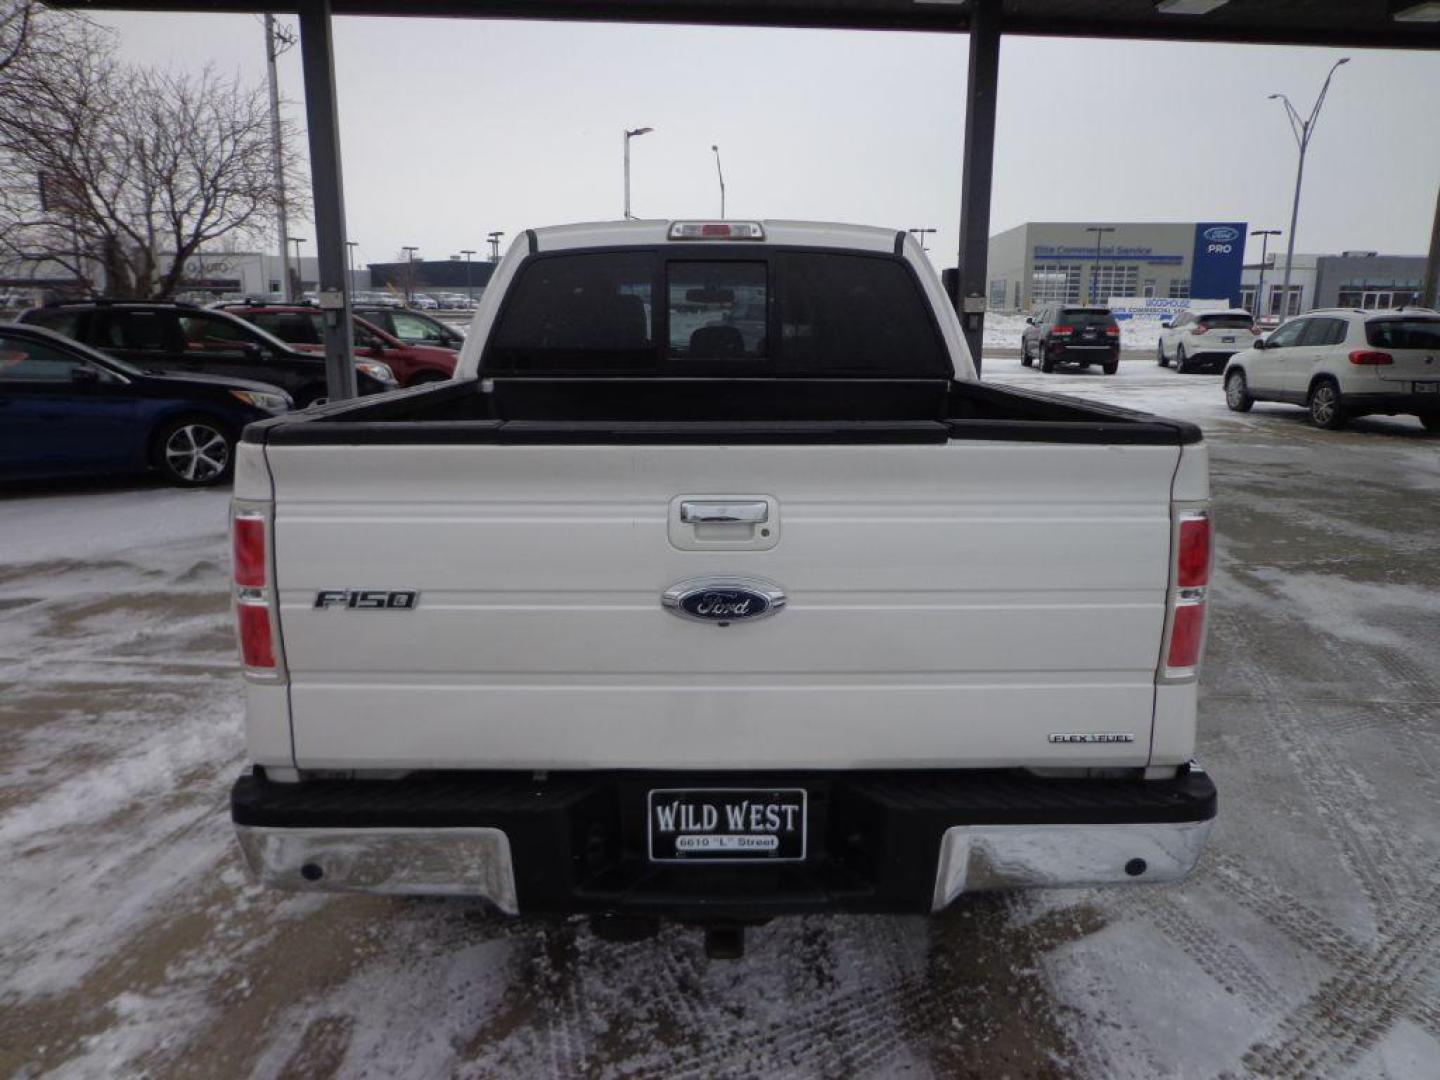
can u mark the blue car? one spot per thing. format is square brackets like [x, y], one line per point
[67, 410]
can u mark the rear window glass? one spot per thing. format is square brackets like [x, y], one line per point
[1404, 333]
[1227, 322]
[782, 313]
[717, 310]
[854, 315]
[578, 315]
[1086, 316]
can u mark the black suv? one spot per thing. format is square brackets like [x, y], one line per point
[182, 338]
[1071, 334]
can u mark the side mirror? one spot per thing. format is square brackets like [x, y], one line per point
[1260, 344]
[252, 351]
[84, 376]
[1166, 325]
[1029, 321]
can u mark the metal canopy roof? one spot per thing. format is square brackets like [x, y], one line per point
[1352, 23]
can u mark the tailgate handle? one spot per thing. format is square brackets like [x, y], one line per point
[724, 513]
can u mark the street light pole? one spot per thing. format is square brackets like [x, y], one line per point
[1264, 235]
[1302, 130]
[721, 174]
[350, 246]
[410, 274]
[494, 240]
[630, 133]
[299, 272]
[920, 235]
[468, 252]
[1099, 231]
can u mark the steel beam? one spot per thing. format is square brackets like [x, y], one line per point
[979, 164]
[317, 56]
[979, 149]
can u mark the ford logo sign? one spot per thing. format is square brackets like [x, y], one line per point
[723, 600]
[1221, 234]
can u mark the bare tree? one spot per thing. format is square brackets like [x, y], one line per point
[16, 19]
[120, 174]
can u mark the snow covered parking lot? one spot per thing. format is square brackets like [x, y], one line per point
[132, 943]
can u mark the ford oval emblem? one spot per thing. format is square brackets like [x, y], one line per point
[724, 600]
[1221, 234]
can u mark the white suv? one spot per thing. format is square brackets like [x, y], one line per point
[1341, 363]
[1207, 339]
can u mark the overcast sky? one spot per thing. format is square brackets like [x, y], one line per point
[453, 128]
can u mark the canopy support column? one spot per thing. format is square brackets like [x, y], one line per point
[317, 58]
[979, 165]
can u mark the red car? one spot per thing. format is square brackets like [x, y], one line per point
[302, 327]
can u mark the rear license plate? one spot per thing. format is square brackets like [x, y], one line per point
[1427, 388]
[727, 824]
[1227, 340]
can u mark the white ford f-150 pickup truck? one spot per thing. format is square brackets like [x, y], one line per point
[715, 586]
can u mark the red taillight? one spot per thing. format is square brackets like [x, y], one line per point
[257, 647]
[1193, 557]
[1112, 331]
[1369, 358]
[1200, 328]
[1188, 593]
[248, 545]
[1062, 329]
[249, 525]
[1186, 634]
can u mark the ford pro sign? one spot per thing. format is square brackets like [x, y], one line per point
[723, 600]
[1217, 259]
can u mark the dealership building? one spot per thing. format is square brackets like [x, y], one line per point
[1043, 262]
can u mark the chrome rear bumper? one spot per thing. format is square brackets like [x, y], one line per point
[420, 862]
[977, 858]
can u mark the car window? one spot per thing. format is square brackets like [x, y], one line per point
[62, 321]
[296, 327]
[22, 360]
[1287, 335]
[576, 314]
[1226, 321]
[1323, 332]
[1404, 333]
[853, 314]
[148, 331]
[410, 327]
[1087, 317]
[713, 309]
[211, 333]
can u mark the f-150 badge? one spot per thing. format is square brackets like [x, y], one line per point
[724, 600]
[367, 599]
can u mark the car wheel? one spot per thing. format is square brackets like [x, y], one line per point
[194, 451]
[1431, 422]
[1160, 355]
[1111, 366]
[1180, 360]
[1326, 409]
[1025, 359]
[1237, 393]
[1047, 362]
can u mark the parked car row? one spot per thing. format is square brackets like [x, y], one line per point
[104, 387]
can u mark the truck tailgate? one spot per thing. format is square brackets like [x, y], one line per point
[949, 605]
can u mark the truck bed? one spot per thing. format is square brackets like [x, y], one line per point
[647, 410]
